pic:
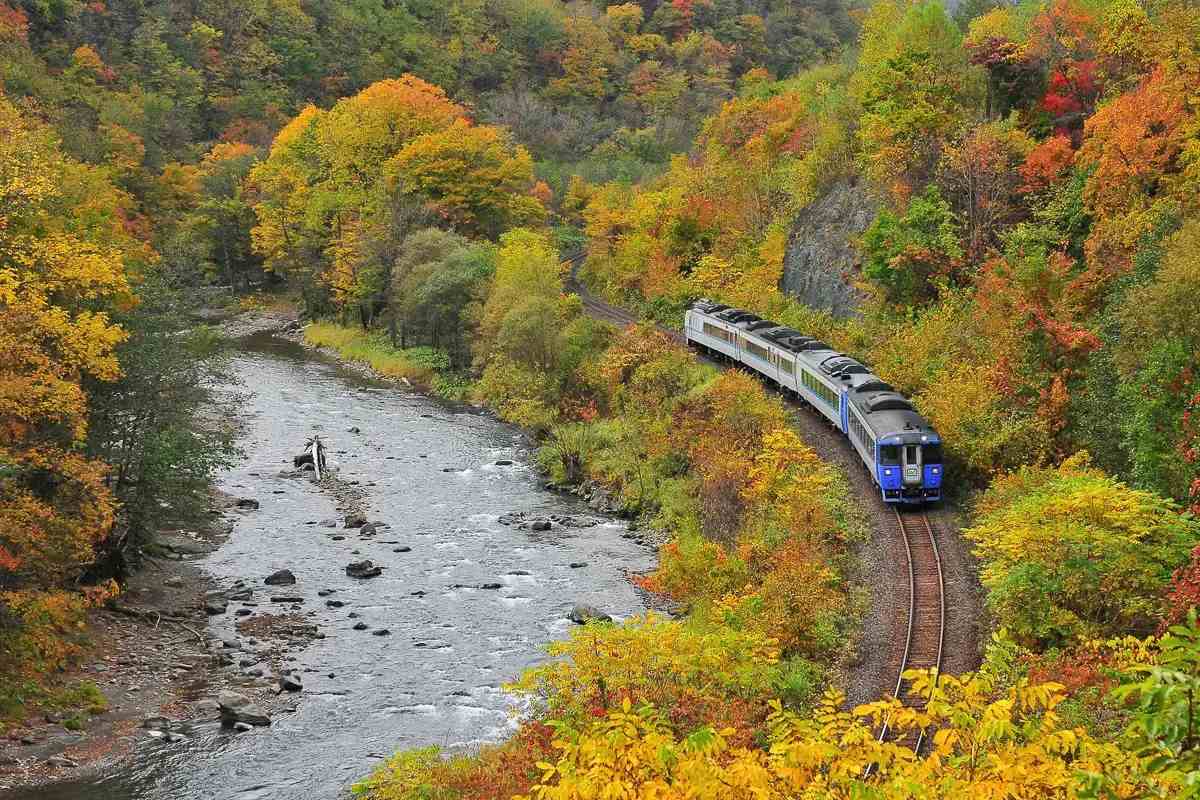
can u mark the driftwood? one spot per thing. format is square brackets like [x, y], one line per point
[314, 453]
[146, 614]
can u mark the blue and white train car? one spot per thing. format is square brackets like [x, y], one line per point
[898, 446]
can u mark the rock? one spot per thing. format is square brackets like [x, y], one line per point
[61, 762]
[504, 462]
[328, 523]
[539, 525]
[338, 538]
[247, 503]
[237, 708]
[491, 586]
[241, 595]
[352, 615]
[418, 593]
[214, 607]
[334, 603]
[821, 254]
[353, 429]
[290, 683]
[450, 469]
[363, 569]
[381, 632]
[519, 572]
[242, 727]
[577, 564]
[372, 528]
[582, 614]
[308, 467]
[355, 520]
[206, 706]
[286, 598]
[283, 577]
[173, 582]
[402, 549]
[360, 626]
[324, 592]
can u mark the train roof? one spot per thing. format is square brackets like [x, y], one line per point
[735, 315]
[708, 306]
[842, 366]
[889, 414]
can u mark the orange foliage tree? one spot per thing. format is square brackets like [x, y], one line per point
[57, 275]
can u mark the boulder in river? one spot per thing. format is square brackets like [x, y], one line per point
[215, 606]
[582, 614]
[290, 683]
[504, 462]
[237, 708]
[363, 569]
[283, 577]
[355, 520]
[247, 502]
[539, 525]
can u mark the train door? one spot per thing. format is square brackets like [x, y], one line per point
[912, 464]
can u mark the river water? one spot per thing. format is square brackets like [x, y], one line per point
[436, 679]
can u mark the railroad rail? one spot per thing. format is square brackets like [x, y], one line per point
[925, 632]
[925, 622]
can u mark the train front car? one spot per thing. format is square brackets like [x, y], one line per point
[899, 446]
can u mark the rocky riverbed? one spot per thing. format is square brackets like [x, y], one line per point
[404, 590]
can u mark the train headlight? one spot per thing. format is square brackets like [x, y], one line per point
[887, 472]
[937, 471]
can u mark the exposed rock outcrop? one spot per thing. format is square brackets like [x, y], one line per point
[821, 259]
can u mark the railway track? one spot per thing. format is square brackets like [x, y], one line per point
[923, 622]
[925, 628]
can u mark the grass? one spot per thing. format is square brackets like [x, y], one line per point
[424, 366]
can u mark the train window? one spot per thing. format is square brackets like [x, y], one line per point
[932, 454]
[889, 455]
[910, 453]
[758, 350]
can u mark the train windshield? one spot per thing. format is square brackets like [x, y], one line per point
[932, 453]
[889, 455]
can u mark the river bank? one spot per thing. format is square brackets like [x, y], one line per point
[150, 653]
[469, 590]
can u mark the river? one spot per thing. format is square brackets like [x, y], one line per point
[437, 678]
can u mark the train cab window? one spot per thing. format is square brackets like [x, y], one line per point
[889, 455]
[912, 454]
[932, 454]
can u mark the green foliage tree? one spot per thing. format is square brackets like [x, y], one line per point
[908, 255]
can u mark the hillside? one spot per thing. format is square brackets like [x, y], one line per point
[995, 208]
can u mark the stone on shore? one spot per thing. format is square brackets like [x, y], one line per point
[582, 614]
[237, 708]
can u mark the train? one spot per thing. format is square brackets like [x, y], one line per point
[899, 448]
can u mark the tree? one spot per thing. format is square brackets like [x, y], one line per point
[979, 176]
[1049, 537]
[472, 176]
[907, 256]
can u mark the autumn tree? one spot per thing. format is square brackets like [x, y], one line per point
[1048, 537]
[62, 270]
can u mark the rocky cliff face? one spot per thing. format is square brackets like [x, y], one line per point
[821, 260]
